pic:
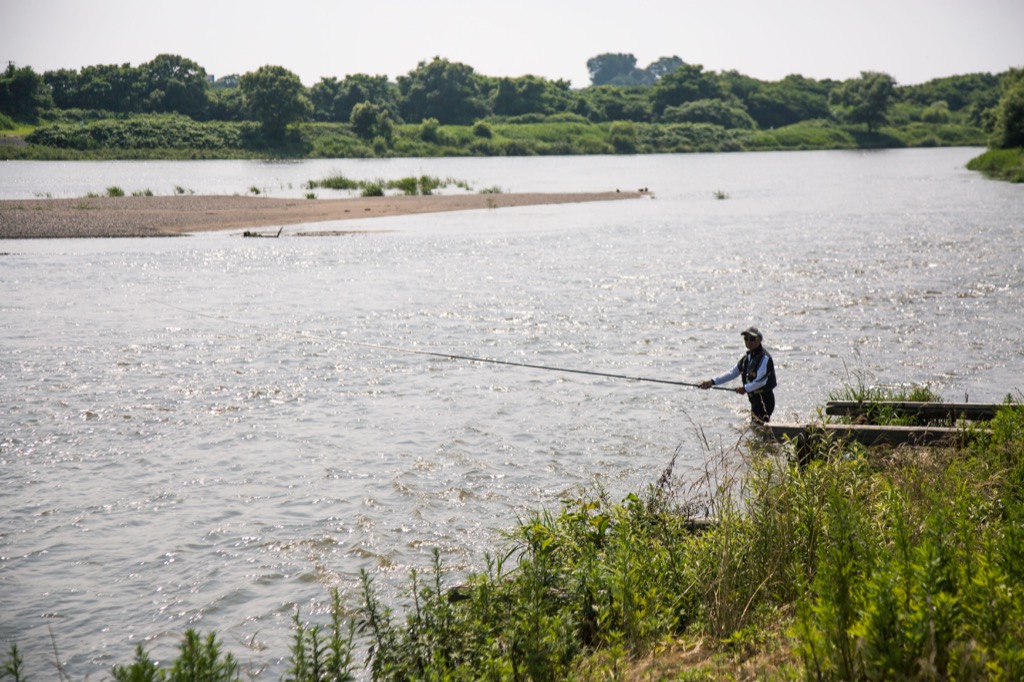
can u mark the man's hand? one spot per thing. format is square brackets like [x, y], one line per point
[706, 384]
[741, 390]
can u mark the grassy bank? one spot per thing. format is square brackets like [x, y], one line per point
[1003, 164]
[169, 136]
[864, 563]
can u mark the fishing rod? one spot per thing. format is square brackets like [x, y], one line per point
[453, 356]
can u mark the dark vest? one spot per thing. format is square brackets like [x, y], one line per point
[749, 363]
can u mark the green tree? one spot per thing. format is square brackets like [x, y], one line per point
[530, 95]
[333, 100]
[23, 93]
[621, 69]
[688, 83]
[448, 91]
[64, 85]
[109, 87]
[276, 98]
[370, 121]
[226, 104]
[660, 68]
[958, 92]
[227, 82]
[781, 103]
[325, 96]
[615, 103]
[866, 99]
[173, 83]
[612, 69]
[1008, 131]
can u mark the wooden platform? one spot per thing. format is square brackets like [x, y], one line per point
[869, 434]
[931, 411]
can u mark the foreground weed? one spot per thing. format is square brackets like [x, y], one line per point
[323, 655]
[913, 577]
[13, 665]
[905, 564]
[198, 659]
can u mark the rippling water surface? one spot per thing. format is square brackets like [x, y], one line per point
[211, 431]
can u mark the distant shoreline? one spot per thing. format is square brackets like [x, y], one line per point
[96, 217]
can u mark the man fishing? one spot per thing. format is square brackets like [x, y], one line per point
[757, 371]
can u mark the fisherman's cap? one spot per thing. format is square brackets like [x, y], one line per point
[752, 331]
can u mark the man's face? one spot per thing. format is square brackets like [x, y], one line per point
[751, 342]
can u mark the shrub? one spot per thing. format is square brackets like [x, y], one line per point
[430, 131]
[938, 112]
[164, 131]
[622, 136]
[711, 111]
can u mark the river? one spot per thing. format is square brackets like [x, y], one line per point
[212, 431]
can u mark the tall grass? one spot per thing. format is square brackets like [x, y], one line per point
[411, 186]
[874, 399]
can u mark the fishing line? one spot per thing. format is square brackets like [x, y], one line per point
[448, 356]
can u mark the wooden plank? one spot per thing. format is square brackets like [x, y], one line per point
[951, 411]
[869, 434]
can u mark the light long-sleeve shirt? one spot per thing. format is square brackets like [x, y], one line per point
[760, 378]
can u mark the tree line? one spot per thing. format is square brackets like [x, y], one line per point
[667, 91]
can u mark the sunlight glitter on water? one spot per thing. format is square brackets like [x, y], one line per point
[191, 437]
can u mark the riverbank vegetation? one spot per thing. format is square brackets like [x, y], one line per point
[170, 108]
[1005, 158]
[860, 563]
[1004, 164]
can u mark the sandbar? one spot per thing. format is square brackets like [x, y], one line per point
[165, 216]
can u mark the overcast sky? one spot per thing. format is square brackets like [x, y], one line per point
[911, 40]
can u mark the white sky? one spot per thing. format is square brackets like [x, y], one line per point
[912, 40]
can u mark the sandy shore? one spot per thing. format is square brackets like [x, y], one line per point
[178, 215]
